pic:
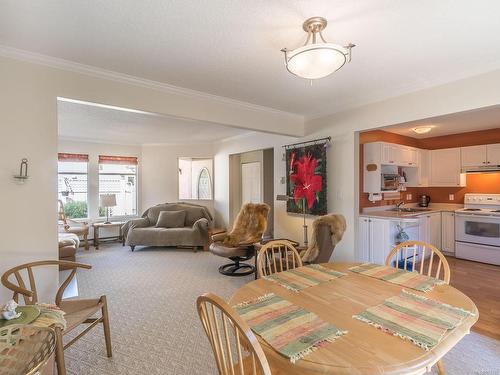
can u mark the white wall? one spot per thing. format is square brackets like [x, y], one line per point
[94, 149]
[159, 183]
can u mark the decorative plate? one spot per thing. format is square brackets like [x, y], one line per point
[28, 314]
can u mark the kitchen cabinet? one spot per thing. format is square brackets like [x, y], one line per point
[493, 153]
[448, 232]
[394, 154]
[480, 156]
[430, 228]
[390, 154]
[418, 177]
[374, 239]
[473, 156]
[445, 168]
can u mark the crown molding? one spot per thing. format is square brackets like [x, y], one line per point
[71, 66]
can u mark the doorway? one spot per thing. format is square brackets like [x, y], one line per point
[251, 176]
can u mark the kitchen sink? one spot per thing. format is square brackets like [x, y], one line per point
[410, 209]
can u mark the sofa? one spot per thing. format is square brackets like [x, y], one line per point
[68, 243]
[151, 230]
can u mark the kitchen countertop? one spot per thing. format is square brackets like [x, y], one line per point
[388, 214]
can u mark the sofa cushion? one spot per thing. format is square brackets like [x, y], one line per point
[171, 219]
[193, 214]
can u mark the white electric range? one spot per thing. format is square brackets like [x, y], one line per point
[477, 229]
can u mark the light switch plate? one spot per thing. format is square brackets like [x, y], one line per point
[408, 197]
[451, 197]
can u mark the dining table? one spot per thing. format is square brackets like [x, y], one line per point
[364, 349]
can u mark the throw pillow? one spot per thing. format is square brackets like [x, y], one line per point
[193, 214]
[171, 219]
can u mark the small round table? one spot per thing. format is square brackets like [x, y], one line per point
[364, 349]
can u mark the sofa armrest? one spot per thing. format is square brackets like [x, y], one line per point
[141, 222]
[201, 224]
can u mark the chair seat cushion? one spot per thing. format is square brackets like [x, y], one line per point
[171, 219]
[79, 310]
[221, 250]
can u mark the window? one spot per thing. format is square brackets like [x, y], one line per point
[195, 178]
[72, 184]
[118, 176]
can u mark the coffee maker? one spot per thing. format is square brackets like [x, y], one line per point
[424, 200]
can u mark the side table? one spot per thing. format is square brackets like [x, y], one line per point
[98, 226]
[212, 232]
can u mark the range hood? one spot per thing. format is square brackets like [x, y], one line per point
[482, 169]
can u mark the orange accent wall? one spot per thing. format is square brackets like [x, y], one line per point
[476, 183]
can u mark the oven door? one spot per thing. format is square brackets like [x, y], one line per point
[478, 229]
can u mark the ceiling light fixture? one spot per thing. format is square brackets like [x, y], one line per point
[422, 129]
[316, 58]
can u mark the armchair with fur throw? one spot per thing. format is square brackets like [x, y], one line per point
[237, 245]
[327, 233]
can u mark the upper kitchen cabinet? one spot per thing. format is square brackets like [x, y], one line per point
[445, 168]
[493, 153]
[473, 156]
[419, 177]
[390, 154]
[480, 156]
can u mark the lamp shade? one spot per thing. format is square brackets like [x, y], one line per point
[108, 200]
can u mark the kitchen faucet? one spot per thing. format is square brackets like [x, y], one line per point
[398, 205]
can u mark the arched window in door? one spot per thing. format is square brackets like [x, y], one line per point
[204, 186]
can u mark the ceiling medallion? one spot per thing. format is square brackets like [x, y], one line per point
[316, 58]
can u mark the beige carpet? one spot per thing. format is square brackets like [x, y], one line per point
[154, 324]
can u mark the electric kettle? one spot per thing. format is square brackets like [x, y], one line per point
[424, 200]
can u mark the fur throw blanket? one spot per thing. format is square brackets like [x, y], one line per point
[249, 225]
[337, 226]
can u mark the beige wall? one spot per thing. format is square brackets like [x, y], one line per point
[159, 183]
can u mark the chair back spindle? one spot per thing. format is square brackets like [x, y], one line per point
[277, 256]
[421, 257]
[235, 347]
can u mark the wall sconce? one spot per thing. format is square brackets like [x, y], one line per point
[23, 171]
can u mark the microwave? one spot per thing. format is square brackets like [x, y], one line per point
[390, 182]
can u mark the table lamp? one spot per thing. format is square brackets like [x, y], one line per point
[107, 201]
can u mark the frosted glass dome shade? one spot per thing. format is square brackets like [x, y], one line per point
[317, 60]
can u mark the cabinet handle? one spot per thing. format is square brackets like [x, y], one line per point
[488, 162]
[391, 161]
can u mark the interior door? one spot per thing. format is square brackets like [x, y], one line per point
[251, 183]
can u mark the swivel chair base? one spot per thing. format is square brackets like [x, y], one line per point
[237, 268]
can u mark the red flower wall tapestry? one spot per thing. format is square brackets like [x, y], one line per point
[306, 179]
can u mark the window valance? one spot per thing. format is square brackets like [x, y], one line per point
[128, 160]
[62, 156]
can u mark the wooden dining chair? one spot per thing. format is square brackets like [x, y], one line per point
[78, 311]
[235, 347]
[420, 255]
[277, 256]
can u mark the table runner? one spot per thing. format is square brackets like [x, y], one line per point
[304, 277]
[412, 280]
[421, 320]
[290, 329]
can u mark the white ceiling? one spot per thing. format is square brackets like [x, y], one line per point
[103, 124]
[231, 48]
[461, 122]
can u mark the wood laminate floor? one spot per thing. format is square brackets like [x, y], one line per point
[481, 282]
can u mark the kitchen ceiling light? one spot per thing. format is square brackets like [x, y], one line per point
[316, 58]
[422, 129]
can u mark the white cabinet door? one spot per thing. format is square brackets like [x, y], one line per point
[364, 240]
[423, 229]
[390, 154]
[493, 153]
[473, 156]
[445, 167]
[380, 245]
[407, 157]
[448, 232]
[435, 229]
[419, 177]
